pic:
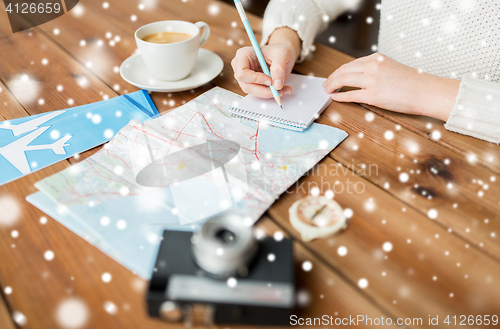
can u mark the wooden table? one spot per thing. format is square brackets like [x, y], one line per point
[443, 222]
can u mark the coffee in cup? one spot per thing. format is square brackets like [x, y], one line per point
[170, 48]
[167, 37]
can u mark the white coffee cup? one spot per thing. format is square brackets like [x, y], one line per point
[171, 61]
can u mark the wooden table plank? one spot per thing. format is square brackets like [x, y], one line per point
[6, 321]
[23, 241]
[474, 150]
[439, 181]
[402, 279]
[35, 85]
[9, 109]
[329, 292]
[4, 23]
[466, 218]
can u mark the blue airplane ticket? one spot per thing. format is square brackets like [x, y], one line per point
[32, 143]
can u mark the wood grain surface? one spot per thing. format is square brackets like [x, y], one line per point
[444, 265]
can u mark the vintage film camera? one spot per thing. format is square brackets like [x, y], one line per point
[222, 274]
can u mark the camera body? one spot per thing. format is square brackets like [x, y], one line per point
[262, 294]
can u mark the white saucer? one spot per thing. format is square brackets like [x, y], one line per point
[208, 66]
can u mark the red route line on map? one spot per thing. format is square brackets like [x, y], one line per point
[69, 186]
[256, 137]
[255, 151]
[172, 140]
[256, 133]
[213, 103]
[79, 195]
[180, 132]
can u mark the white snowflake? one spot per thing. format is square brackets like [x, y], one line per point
[307, 266]
[387, 246]
[213, 9]
[342, 251]
[232, 282]
[121, 224]
[363, 283]
[19, 318]
[110, 307]
[106, 277]
[369, 205]
[10, 211]
[389, 135]
[278, 236]
[49, 255]
[72, 313]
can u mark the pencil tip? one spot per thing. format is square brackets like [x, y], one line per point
[281, 107]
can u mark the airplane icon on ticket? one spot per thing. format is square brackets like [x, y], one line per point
[15, 152]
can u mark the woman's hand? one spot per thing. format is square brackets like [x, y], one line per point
[388, 84]
[280, 54]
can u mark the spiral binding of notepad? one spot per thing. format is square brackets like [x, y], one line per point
[271, 120]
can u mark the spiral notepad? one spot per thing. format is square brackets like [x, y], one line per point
[300, 109]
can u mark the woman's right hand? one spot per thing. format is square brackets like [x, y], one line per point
[280, 54]
[248, 72]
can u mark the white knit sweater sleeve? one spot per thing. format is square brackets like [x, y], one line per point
[476, 111]
[307, 17]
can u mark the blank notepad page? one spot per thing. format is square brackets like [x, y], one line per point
[300, 109]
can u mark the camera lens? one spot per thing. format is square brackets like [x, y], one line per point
[225, 236]
[224, 246]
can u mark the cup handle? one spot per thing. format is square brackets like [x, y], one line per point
[206, 32]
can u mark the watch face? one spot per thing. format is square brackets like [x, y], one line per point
[319, 212]
[317, 217]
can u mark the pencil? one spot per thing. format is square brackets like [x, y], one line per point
[256, 48]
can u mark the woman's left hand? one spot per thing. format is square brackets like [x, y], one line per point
[388, 84]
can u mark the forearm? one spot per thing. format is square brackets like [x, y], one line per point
[438, 96]
[287, 36]
[467, 107]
